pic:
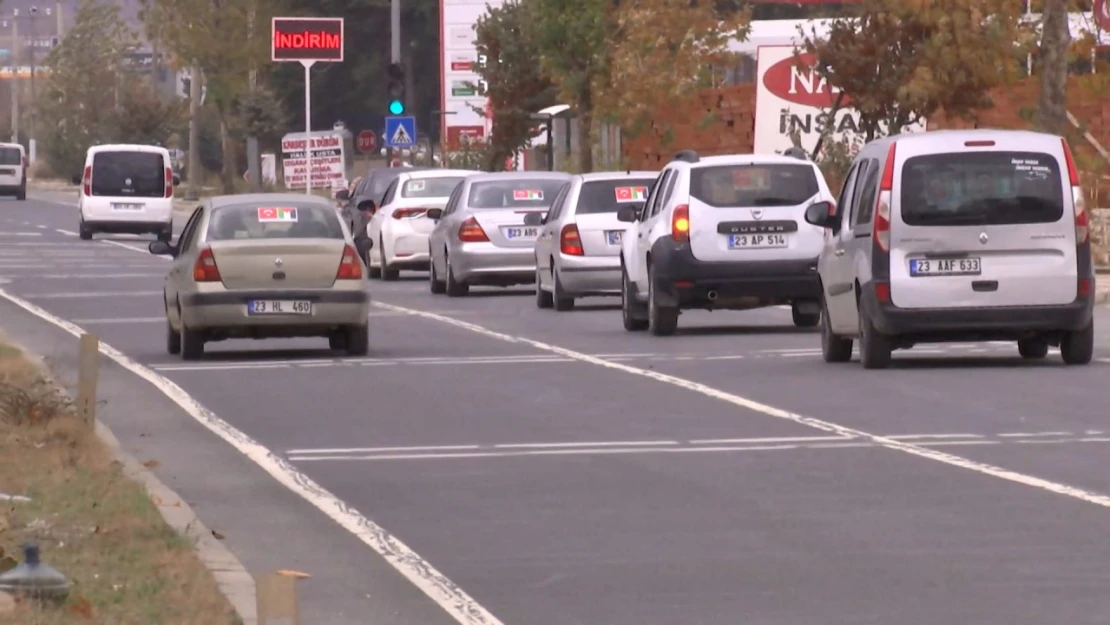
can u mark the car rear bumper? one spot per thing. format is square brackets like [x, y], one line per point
[971, 324]
[228, 309]
[590, 274]
[409, 251]
[684, 281]
[485, 263]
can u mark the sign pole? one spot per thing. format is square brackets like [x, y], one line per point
[308, 125]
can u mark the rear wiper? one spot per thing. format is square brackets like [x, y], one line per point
[773, 201]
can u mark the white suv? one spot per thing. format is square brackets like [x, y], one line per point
[723, 232]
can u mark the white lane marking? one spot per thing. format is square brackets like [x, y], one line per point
[92, 294]
[1033, 434]
[80, 276]
[445, 593]
[743, 402]
[584, 444]
[120, 320]
[375, 450]
[773, 439]
[65, 232]
[904, 437]
[20, 234]
[541, 452]
[40, 226]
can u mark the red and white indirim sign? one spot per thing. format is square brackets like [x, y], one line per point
[1101, 15]
[317, 39]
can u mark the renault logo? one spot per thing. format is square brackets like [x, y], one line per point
[983, 238]
[277, 262]
[757, 213]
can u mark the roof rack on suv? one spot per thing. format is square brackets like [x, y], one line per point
[796, 152]
[689, 156]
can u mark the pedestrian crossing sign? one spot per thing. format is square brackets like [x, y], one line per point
[400, 132]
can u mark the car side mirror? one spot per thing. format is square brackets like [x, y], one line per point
[820, 214]
[629, 213]
[436, 213]
[161, 248]
[367, 205]
[176, 180]
[342, 194]
[533, 219]
[76, 180]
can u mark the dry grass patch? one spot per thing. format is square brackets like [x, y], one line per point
[94, 524]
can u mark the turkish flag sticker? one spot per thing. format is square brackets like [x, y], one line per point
[267, 214]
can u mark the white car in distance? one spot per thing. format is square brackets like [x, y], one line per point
[400, 227]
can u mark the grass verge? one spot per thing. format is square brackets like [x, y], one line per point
[94, 524]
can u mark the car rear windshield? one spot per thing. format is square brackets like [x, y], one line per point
[278, 220]
[430, 187]
[128, 174]
[520, 193]
[981, 188]
[10, 156]
[773, 184]
[607, 196]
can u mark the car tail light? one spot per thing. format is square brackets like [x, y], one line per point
[24, 160]
[882, 292]
[169, 182]
[205, 269]
[350, 266]
[471, 232]
[403, 213]
[86, 182]
[570, 243]
[881, 231]
[1085, 287]
[1082, 219]
[680, 223]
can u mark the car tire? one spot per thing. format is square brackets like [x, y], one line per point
[435, 285]
[1078, 347]
[387, 274]
[192, 343]
[559, 297]
[874, 347]
[372, 271]
[173, 339]
[165, 236]
[1032, 349]
[356, 340]
[21, 194]
[543, 298]
[834, 348]
[454, 287]
[337, 341]
[632, 312]
[85, 232]
[662, 320]
[803, 319]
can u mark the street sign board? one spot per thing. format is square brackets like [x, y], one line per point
[367, 141]
[400, 132]
[307, 39]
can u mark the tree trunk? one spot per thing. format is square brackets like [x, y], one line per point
[1052, 111]
[585, 132]
[227, 173]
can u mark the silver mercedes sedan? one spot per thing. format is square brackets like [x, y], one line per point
[480, 237]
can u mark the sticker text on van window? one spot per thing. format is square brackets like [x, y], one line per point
[1030, 164]
[277, 213]
[631, 194]
[527, 194]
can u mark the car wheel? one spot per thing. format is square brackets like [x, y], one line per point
[454, 287]
[1078, 347]
[173, 339]
[357, 340]
[192, 343]
[632, 312]
[387, 273]
[559, 297]
[21, 194]
[436, 285]
[85, 232]
[1032, 349]
[874, 347]
[803, 319]
[663, 320]
[543, 298]
[337, 342]
[834, 348]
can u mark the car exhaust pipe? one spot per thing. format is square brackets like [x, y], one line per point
[712, 295]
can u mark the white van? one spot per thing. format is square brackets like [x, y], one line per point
[13, 170]
[127, 189]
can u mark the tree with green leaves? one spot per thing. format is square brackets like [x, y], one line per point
[899, 62]
[514, 83]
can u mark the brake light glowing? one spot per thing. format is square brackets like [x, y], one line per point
[86, 182]
[404, 213]
[881, 230]
[471, 232]
[1082, 219]
[169, 182]
[350, 266]
[680, 223]
[570, 243]
[882, 292]
[205, 270]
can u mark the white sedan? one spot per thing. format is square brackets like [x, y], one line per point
[400, 227]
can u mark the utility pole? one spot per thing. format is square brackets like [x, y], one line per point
[254, 159]
[15, 76]
[31, 147]
[191, 189]
[394, 47]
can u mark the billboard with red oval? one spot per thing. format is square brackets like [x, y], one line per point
[795, 80]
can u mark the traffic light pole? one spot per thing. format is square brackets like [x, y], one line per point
[394, 47]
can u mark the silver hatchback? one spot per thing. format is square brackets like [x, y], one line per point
[480, 237]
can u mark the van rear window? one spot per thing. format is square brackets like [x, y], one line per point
[128, 174]
[11, 156]
[773, 184]
[981, 188]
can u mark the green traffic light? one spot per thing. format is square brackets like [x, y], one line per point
[396, 107]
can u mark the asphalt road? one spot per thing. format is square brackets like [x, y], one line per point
[561, 471]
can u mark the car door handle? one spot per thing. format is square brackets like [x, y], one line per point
[839, 253]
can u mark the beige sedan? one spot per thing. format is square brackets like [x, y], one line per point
[264, 266]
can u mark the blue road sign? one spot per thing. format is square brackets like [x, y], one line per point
[400, 132]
